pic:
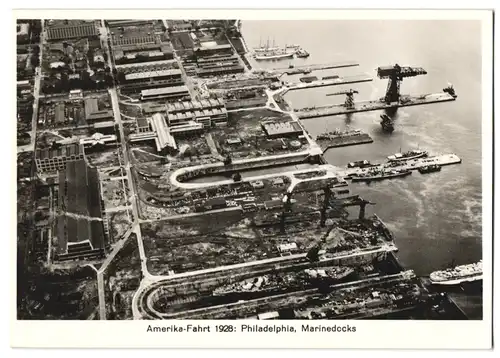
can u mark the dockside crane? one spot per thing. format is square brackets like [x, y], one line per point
[349, 101]
[395, 74]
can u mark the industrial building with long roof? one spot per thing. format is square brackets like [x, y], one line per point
[71, 31]
[80, 226]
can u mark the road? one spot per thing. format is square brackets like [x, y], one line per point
[36, 99]
[126, 165]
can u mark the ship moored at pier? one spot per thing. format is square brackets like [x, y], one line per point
[457, 275]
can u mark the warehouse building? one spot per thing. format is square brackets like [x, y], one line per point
[67, 32]
[168, 93]
[137, 81]
[94, 114]
[80, 228]
[279, 130]
[173, 75]
[207, 112]
[204, 51]
[159, 132]
[54, 159]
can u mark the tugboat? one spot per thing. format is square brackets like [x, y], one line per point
[387, 123]
[411, 154]
[458, 275]
[429, 169]
[301, 53]
[374, 175]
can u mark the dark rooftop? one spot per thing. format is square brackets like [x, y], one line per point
[71, 31]
[80, 205]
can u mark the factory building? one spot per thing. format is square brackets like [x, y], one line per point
[98, 140]
[50, 159]
[137, 81]
[207, 112]
[168, 93]
[143, 125]
[127, 50]
[93, 114]
[67, 32]
[173, 76]
[156, 130]
[280, 130]
[204, 51]
[219, 70]
[119, 23]
[80, 228]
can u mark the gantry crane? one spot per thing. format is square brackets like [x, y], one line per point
[349, 101]
[395, 74]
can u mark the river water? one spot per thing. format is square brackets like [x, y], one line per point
[436, 218]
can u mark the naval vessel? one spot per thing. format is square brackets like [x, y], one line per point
[458, 274]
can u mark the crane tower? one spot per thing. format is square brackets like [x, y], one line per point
[349, 101]
[395, 74]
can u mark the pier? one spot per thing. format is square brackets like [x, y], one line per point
[333, 82]
[405, 101]
[344, 141]
[317, 67]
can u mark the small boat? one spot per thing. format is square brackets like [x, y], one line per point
[429, 169]
[360, 164]
[387, 123]
[411, 154]
[380, 175]
[301, 53]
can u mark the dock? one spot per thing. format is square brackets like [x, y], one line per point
[315, 67]
[344, 141]
[367, 106]
[413, 164]
[333, 82]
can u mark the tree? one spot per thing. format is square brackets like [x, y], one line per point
[227, 160]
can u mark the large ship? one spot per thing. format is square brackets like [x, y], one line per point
[376, 174]
[285, 281]
[459, 274]
[411, 154]
[273, 55]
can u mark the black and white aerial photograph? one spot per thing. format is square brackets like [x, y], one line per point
[249, 169]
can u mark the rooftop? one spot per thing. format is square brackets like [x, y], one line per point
[64, 151]
[164, 139]
[272, 128]
[152, 74]
[164, 90]
[71, 31]
[194, 105]
[79, 200]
